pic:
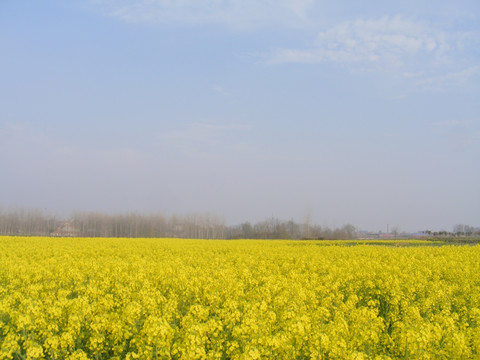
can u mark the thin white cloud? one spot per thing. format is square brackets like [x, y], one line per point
[458, 135]
[456, 78]
[450, 123]
[390, 40]
[220, 89]
[424, 55]
[119, 156]
[233, 13]
[204, 138]
[12, 127]
[202, 131]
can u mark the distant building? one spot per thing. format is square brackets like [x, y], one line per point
[386, 236]
[66, 229]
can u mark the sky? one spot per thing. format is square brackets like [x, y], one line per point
[343, 111]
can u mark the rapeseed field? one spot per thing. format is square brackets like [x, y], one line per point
[100, 298]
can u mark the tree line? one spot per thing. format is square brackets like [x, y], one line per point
[26, 222]
[459, 230]
[36, 222]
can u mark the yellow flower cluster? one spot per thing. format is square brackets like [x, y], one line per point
[80, 299]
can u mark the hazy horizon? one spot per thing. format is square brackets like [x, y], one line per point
[362, 113]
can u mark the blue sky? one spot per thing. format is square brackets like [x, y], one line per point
[353, 112]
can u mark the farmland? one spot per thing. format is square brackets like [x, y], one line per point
[118, 298]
